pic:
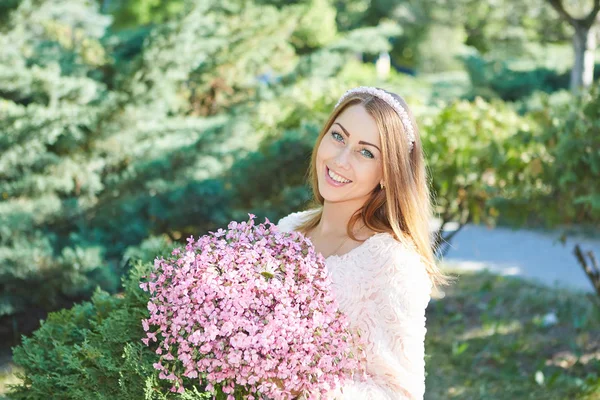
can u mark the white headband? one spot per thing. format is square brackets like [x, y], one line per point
[389, 99]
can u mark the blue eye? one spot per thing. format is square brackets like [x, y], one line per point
[367, 153]
[335, 134]
[339, 138]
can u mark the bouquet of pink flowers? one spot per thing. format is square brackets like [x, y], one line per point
[249, 312]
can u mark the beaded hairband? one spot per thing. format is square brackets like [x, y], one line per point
[389, 99]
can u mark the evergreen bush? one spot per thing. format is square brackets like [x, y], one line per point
[94, 351]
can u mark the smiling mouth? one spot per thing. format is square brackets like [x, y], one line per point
[336, 177]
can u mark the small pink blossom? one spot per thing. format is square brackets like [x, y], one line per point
[247, 307]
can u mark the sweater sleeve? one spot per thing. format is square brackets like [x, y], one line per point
[392, 308]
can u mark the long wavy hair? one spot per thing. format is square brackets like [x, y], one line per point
[404, 207]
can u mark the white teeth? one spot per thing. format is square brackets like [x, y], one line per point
[337, 178]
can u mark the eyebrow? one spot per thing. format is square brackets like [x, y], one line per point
[361, 142]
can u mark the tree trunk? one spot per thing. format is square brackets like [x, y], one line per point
[584, 46]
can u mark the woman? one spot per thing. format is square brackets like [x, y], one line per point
[371, 223]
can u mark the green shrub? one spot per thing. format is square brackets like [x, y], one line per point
[497, 78]
[512, 80]
[576, 167]
[93, 351]
[99, 149]
[272, 180]
[555, 169]
[571, 135]
[468, 146]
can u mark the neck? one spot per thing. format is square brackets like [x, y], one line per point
[335, 218]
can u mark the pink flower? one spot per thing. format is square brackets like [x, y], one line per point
[158, 366]
[245, 306]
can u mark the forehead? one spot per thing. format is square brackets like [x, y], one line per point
[359, 124]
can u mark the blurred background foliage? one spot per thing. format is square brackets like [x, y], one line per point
[126, 126]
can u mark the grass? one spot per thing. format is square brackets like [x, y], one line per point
[492, 337]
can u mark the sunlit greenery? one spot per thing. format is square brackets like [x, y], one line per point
[126, 126]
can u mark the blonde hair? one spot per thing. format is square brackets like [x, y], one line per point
[404, 207]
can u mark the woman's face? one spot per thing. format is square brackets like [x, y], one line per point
[349, 164]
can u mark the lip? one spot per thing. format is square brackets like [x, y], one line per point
[331, 181]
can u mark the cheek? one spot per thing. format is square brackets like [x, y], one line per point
[370, 174]
[326, 149]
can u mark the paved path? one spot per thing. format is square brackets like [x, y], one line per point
[530, 254]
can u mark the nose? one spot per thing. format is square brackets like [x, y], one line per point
[341, 160]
